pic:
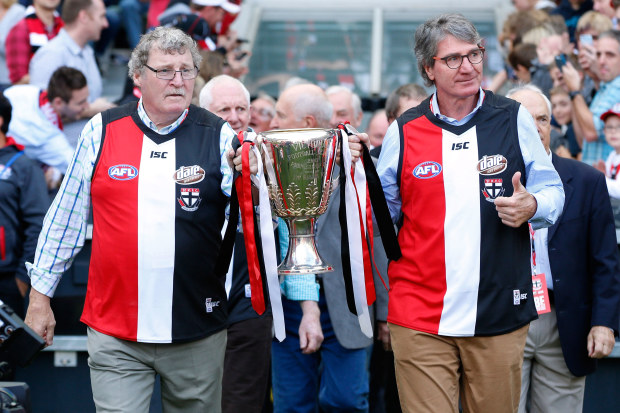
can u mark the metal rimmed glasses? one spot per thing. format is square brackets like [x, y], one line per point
[169, 74]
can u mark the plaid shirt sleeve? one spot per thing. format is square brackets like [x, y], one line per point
[64, 226]
[18, 51]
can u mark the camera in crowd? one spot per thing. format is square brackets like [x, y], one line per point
[18, 346]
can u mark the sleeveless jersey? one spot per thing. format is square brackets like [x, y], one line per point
[463, 272]
[157, 212]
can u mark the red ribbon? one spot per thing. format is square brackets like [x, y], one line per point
[244, 192]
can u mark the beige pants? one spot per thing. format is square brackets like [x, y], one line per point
[122, 374]
[432, 371]
[552, 387]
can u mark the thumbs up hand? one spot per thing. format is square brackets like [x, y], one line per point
[517, 209]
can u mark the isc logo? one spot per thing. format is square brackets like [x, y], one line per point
[427, 170]
[122, 172]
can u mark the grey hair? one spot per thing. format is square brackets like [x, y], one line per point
[206, 94]
[611, 34]
[430, 33]
[315, 104]
[531, 88]
[356, 102]
[168, 40]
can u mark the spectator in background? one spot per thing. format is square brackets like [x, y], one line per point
[578, 257]
[133, 13]
[611, 167]
[212, 11]
[248, 344]
[616, 5]
[587, 119]
[571, 11]
[563, 115]
[521, 59]
[262, 111]
[606, 8]
[40, 24]
[11, 12]
[38, 116]
[330, 372]
[404, 97]
[589, 27]
[377, 126]
[347, 106]
[23, 202]
[84, 20]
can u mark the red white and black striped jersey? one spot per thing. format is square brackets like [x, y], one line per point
[463, 272]
[157, 210]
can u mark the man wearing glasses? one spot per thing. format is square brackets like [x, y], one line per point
[452, 170]
[158, 176]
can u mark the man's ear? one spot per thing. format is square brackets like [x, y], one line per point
[137, 81]
[309, 121]
[57, 104]
[429, 72]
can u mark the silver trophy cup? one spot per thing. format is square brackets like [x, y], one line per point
[298, 168]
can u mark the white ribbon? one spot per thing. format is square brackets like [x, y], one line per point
[269, 245]
[355, 192]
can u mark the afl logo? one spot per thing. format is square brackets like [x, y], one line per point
[427, 170]
[123, 172]
[492, 165]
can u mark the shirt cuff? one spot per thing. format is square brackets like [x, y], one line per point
[300, 287]
[45, 283]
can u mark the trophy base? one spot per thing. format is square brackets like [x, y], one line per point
[302, 256]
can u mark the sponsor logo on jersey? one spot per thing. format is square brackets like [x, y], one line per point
[190, 199]
[187, 175]
[492, 164]
[123, 172]
[457, 146]
[517, 296]
[5, 173]
[492, 189]
[427, 170]
[209, 304]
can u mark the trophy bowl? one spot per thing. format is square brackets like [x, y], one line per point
[299, 164]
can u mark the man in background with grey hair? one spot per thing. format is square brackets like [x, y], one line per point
[248, 346]
[578, 257]
[347, 106]
[461, 294]
[158, 177]
[330, 372]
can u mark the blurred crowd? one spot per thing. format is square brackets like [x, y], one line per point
[51, 61]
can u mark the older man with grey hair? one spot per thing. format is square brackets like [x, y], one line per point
[461, 295]
[158, 177]
[248, 355]
[577, 257]
[347, 106]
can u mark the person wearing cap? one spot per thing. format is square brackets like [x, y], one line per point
[578, 257]
[210, 13]
[612, 164]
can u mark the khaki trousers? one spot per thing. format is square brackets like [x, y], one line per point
[552, 387]
[122, 374]
[432, 371]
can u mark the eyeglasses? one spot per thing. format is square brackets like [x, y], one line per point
[454, 61]
[169, 74]
[263, 112]
[611, 128]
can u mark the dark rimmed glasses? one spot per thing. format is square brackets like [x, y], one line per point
[454, 61]
[169, 74]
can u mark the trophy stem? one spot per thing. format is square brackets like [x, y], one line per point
[302, 256]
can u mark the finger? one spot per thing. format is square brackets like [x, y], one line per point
[590, 345]
[516, 183]
[303, 342]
